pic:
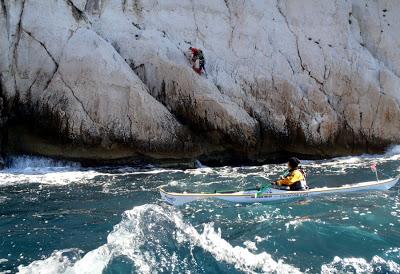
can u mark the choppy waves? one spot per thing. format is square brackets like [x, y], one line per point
[156, 239]
[153, 238]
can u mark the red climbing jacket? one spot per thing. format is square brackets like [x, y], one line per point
[194, 51]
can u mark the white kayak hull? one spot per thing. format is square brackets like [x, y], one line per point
[271, 195]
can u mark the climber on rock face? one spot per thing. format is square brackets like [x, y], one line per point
[197, 60]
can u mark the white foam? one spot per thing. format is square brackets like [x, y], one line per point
[259, 239]
[47, 171]
[147, 226]
[200, 171]
[49, 178]
[59, 262]
[299, 221]
[34, 164]
[250, 245]
[61, 176]
[346, 162]
[360, 265]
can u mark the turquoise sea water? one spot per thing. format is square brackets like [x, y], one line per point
[57, 217]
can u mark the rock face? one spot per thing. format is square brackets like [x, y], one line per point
[108, 79]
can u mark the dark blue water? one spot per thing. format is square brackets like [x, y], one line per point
[56, 217]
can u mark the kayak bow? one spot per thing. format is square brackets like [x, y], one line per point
[250, 196]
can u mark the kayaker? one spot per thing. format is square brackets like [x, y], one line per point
[294, 178]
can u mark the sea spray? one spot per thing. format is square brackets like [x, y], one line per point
[27, 163]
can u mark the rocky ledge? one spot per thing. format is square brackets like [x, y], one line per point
[108, 80]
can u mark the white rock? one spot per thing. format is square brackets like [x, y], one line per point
[305, 76]
[103, 100]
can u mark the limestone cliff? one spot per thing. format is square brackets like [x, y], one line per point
[108, 79]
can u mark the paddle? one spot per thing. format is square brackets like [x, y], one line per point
[260, 190]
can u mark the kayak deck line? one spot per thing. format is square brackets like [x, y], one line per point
[248, 196]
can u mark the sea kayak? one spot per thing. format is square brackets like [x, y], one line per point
[272, 194]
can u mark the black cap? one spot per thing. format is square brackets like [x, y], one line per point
[294, 162]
